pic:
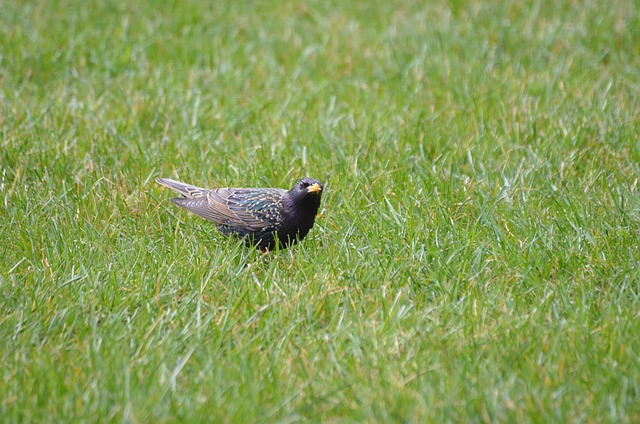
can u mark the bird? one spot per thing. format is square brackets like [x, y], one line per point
[264, 217]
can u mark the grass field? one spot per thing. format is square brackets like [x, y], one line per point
[476, 257]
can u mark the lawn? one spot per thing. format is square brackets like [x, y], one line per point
[476, 254]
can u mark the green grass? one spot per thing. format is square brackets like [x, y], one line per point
[476, 257]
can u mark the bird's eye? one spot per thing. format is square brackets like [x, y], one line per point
[304, 184]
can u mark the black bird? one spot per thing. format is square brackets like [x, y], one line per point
[263, 217]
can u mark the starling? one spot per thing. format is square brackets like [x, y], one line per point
[263, 217]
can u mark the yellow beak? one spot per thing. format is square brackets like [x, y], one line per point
[315, 188]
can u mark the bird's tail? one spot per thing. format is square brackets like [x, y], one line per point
[186, 190]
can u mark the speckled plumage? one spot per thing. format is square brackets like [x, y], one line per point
[264, 217]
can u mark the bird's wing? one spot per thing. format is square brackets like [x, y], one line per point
[243, 209]
[187, 190]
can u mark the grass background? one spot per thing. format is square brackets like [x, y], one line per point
[476, 257]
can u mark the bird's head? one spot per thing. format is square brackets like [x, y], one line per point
[307, 191]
